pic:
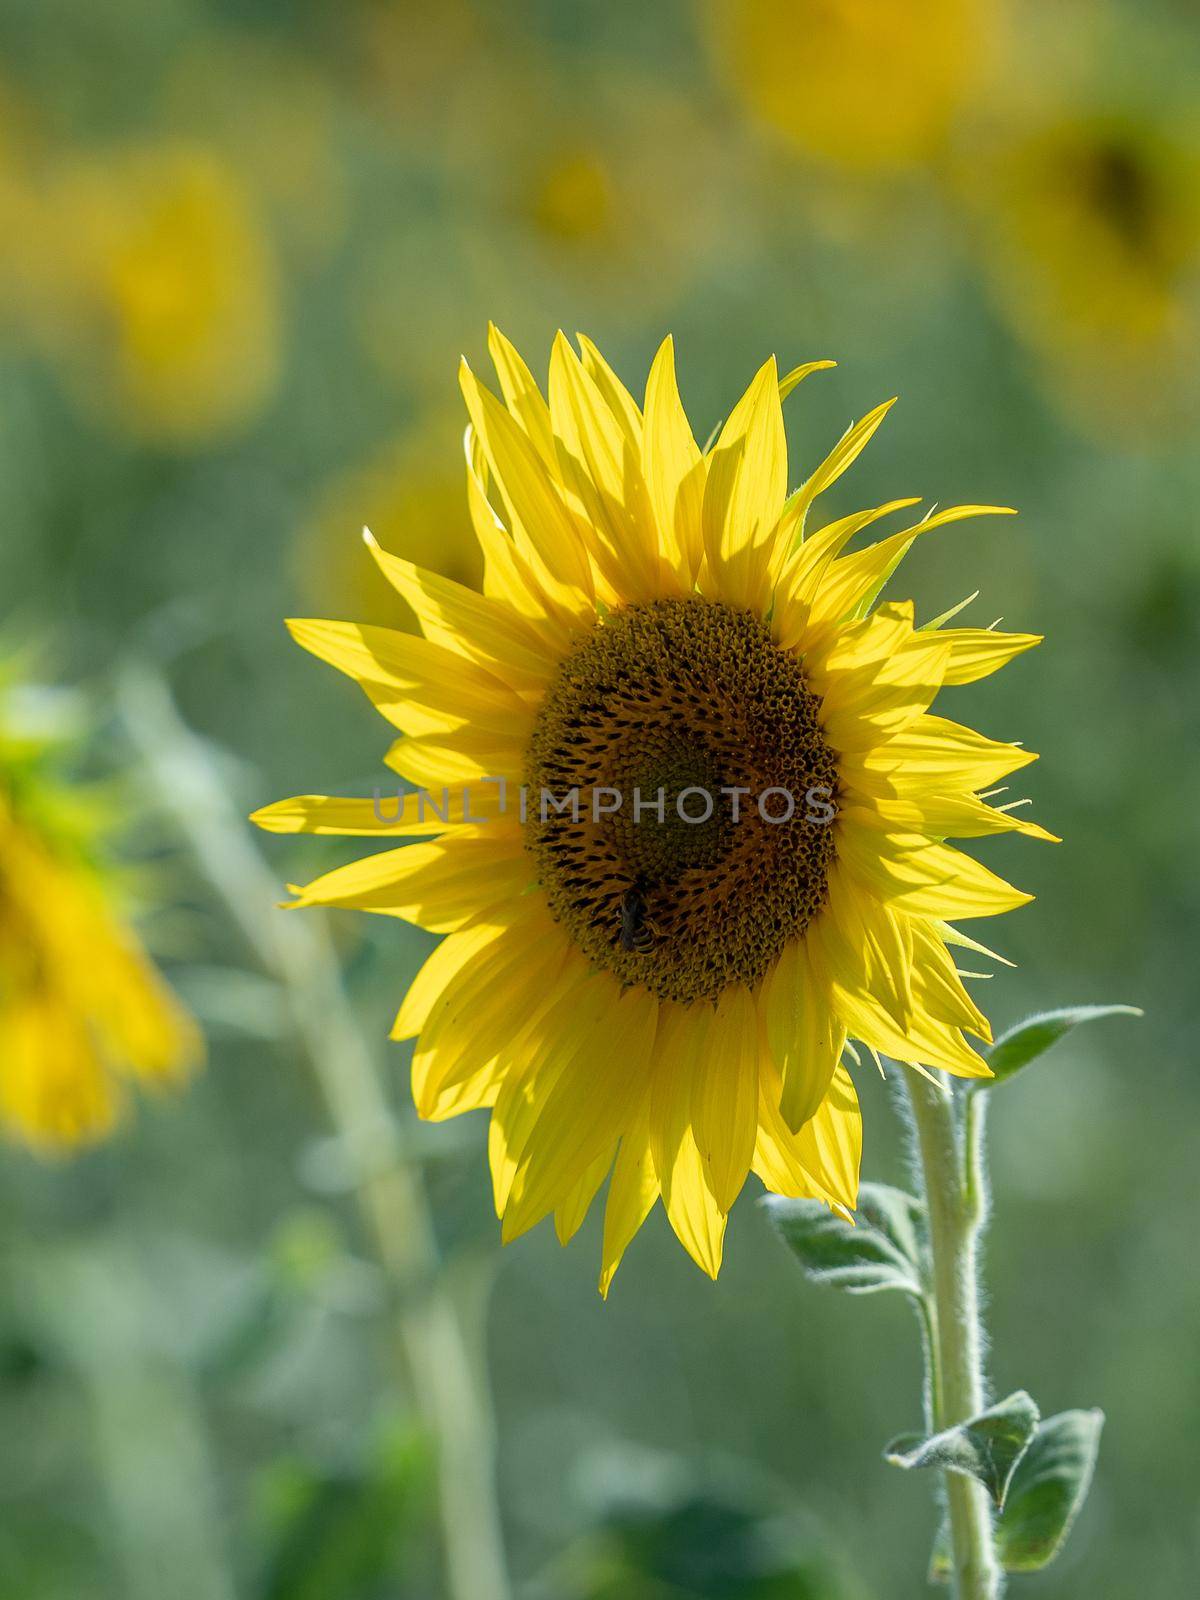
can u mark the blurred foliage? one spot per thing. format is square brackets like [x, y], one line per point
[241, 250]
[661, 1530]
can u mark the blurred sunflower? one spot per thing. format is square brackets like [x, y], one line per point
[160, 290]
[82, 1008]
[409, 492]
[668, 995]
[1091, 236]
[274, 118]
[863, 83]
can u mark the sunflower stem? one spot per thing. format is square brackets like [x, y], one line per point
[951, 1158]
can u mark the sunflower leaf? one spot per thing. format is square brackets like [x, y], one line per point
[1031, 1038]
[884, 1249]
[987, 1447]
[1048, 1488]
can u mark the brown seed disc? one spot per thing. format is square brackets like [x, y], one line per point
[678, 695]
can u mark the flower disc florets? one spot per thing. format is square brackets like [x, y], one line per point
[688, 780]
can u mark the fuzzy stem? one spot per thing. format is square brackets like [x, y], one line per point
[955, 1198]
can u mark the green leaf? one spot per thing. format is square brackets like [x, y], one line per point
[1047, 1490]
[1029, 1039]
[986, 1447]
[884, 1250]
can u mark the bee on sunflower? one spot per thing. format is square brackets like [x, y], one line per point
[645, 984]
[82, 1007]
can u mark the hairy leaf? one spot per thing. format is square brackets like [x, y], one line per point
[883, 1250]
[1029, 1039]
[986, 1447]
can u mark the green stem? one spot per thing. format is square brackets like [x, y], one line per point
[955, 1198]
[443, 1354]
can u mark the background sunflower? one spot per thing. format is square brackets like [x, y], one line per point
[318, 210]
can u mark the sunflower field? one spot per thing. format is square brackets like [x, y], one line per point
[541, 473]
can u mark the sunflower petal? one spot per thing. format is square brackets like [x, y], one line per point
[744, 492]
[540, 515]
[632, 1192]
[440, 884]
[693, 1213]
[725, 1094]
[471, 624]
[603, 471]
[591, 1102]
[977, 652]
[675, 469]
[805, 1036]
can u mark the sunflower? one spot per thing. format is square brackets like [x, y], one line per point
[157, 289]
[866, 84]
[1090, 236]
[681, 806]
[82, 1007]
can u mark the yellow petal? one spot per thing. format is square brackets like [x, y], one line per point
[541, 1051]
[725, 1093]
[872, 941]
[805, 1036]
[880, 699]
[843, 455]
[468, 623]
[938, 986]
[819, 1162]
[540, 516]
[458, 952]
[444, 765]
[418, 686]
[674, 467]
[523, 397]
[744, 492]
[54, 1092]
[793, 379]
[591, 1101]
[977, 652]
[942, 816]
[616, 396]
[513, 576]
[441, 884]
[698, 1221]
[923, 878]
[926, 1041]
[570, 1211]
[470, 1042]
[829, 1145]
[603, 472]
[852, 581]
[406, 815]
[933, 754]
[801, 576]
[631, 1194]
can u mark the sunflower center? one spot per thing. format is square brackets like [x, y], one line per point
[679, 798]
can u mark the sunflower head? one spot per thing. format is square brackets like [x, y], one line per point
[82, 1008]
[867, 84]
[679, 803]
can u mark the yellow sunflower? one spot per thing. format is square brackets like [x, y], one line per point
[82, 1007]
[868, 84]
[681, 803]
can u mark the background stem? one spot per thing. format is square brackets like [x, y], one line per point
[952, 1176]
[446, 1364]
